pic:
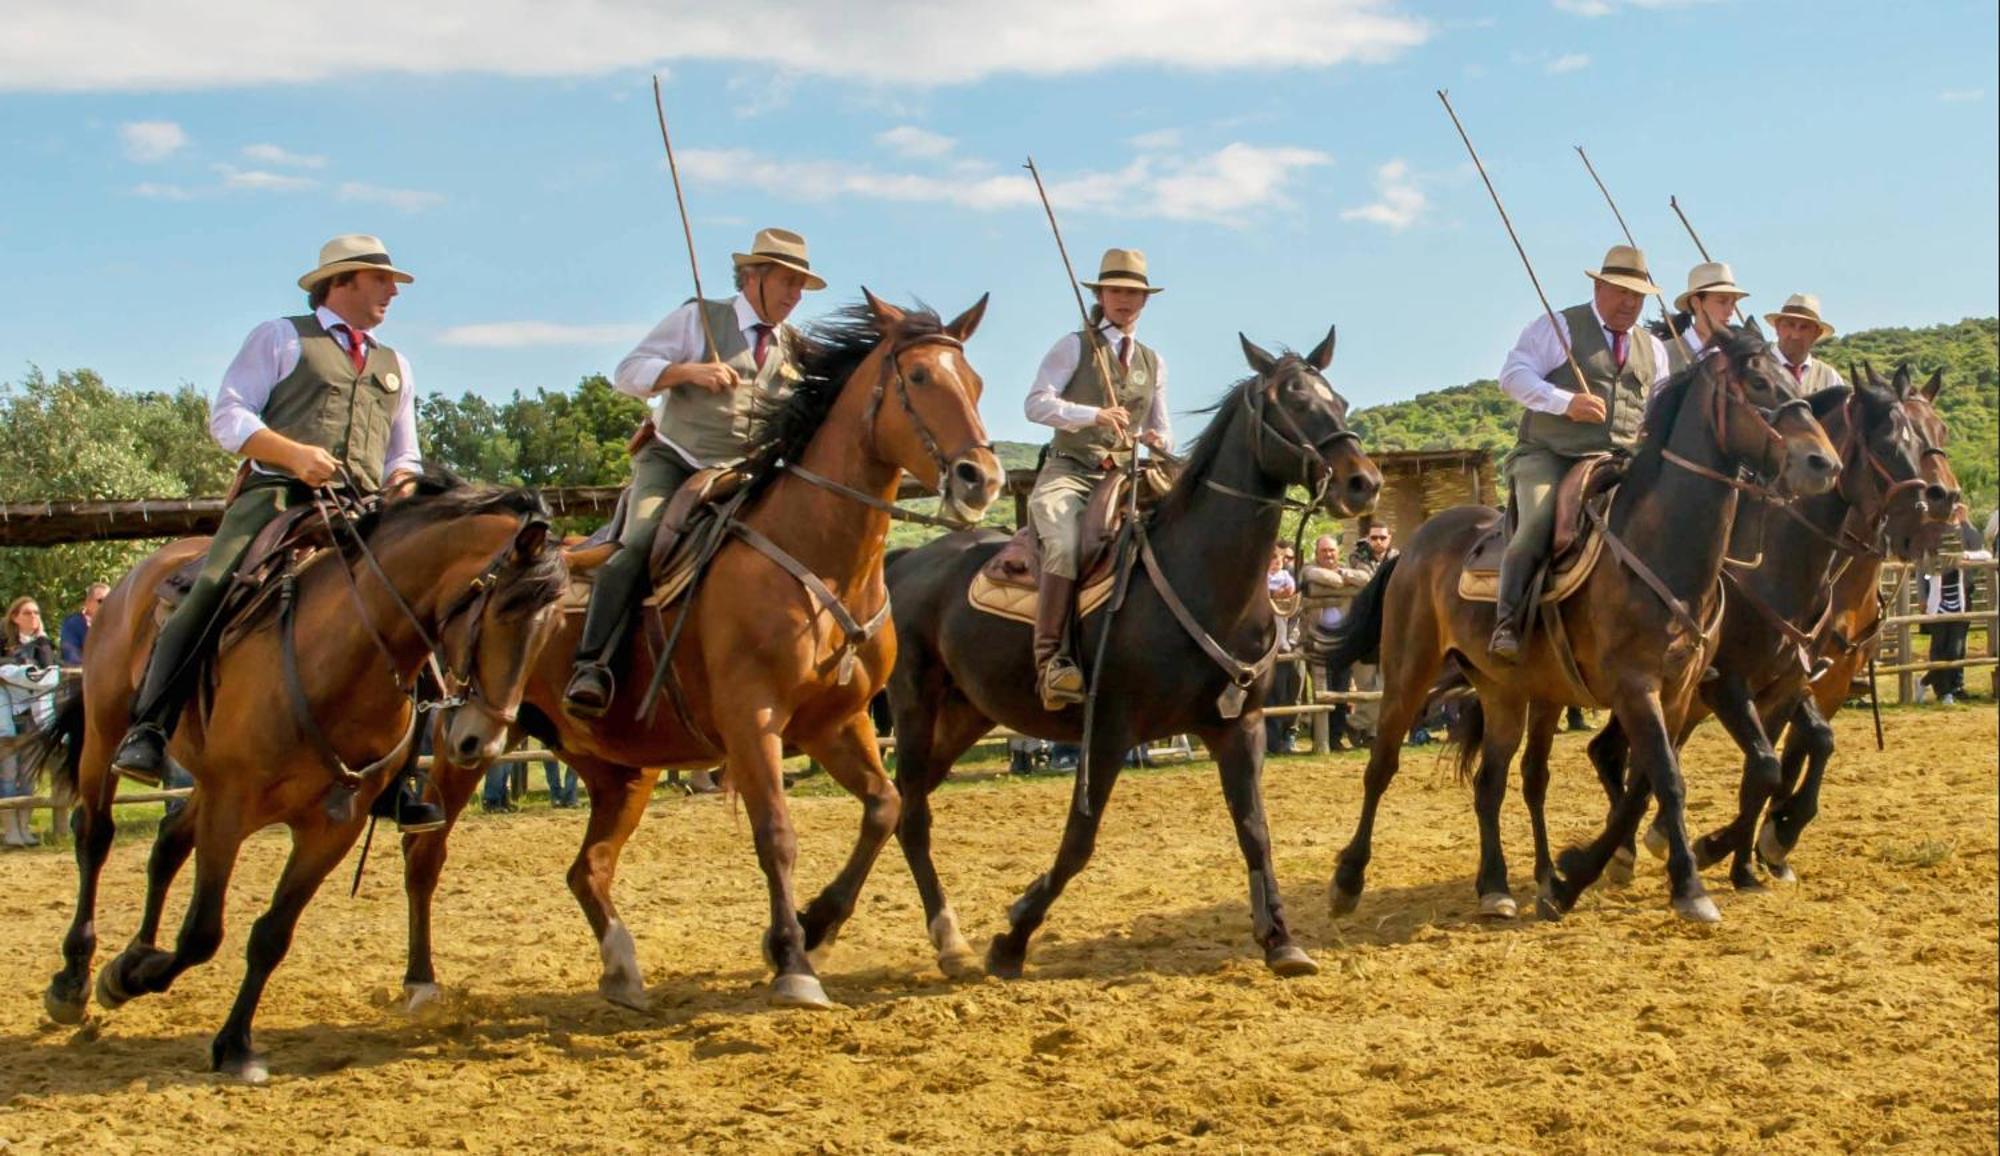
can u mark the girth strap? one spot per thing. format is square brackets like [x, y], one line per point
[302, 712]
[1631, 561]
[857, 633]
[1241, 674]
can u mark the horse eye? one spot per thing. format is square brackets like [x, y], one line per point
[917, 376]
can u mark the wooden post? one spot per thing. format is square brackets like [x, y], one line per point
[1906, 681]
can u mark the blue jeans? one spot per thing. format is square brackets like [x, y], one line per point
[494, 793]
[176, 776]
[562, 784]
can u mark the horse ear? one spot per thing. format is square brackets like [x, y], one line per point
[529, 542]
[1261, 362]
[1874, 378]
[1322, 354]
[962, 326]
[1755, 330]
[1934, 385]
[888, 315]
[1903, 379]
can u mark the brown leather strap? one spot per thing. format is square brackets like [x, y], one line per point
[1632, 562]
[1240, 673]
[302, 712]
[857, 632]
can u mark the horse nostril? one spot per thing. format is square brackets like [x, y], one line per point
[468, 746]
[968, 473]
[1822, 464]
[1935, 495]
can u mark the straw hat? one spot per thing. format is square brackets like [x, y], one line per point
[1625, 267]
[780, 247]
[348, 252]
[1122, 269]
[1709, 277]
[1804, 307]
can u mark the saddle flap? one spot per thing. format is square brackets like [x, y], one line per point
[702, 490]
[1592, 475]
[1103, 514]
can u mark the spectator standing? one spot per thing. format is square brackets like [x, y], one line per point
[28, 678]
[76, 627]
[1325, 578]
[1947, 593]
[1369, 554]
[1284, 591]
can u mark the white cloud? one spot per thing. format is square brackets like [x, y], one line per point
[522, 334]
[147, 141]
[272, 154]
[1566, 63]
[910, 141]
[160, 192]
[261, 180]
[61, 45]
[1595, 8]
[1159, 138]
[402, 200]
[1961, 95]
[1221, 187]
[1584, 7]
[1399, 202]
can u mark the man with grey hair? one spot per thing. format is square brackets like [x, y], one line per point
[76, 627]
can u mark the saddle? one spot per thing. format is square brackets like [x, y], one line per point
[297, 531]
[676, 544]
[1576, 547]
[1009, 584]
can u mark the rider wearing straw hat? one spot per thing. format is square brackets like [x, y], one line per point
[310, 400]
[704, 401]
[1621, 365]
[1800, 327]
[1707, 306]
[1097, 423]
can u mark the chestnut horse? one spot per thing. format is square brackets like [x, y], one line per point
[1199, 598]
[764, 661]
[465, 578]
[1640, 626]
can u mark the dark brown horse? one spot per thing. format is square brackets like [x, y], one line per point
[764, 660]
[464, 576]
[961, 670]
[1896, 494]
[1639, 644]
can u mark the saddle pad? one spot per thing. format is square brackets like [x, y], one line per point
[666, 589]
[1483, 585]
[1007, 600]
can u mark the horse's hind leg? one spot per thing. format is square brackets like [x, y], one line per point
[1009, 950]
[929, 739]
[1542, 720]
[618, 798]
[423, 863]
[1239, 756]
[1411, 665]
[1504, 719]
[315, 851]
[850, 755]
[1810, 739]
[68, 992]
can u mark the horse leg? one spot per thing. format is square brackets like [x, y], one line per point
[1578, 867]
[930, 737]
[171, 848]
[1811, 740]
[316, 849]
[851, 757]
[755, 766]
[1501, 737]
[68, 994]
[1653, 752]
[423, 862]
[1610, 756]
[618, 798]
[1729, 698]
[141, 969]
[1542, 721]
[1406, 681]
[1238, 750]
[1009, 950]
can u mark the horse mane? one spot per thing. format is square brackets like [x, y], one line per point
[441, 496]
[1738, 344]
[1665, 329]
[829, 352]
[1203, 450]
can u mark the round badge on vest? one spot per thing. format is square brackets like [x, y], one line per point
[392, 382]
[1136, 377]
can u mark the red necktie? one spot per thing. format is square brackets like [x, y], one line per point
[763, 349]
[1618, 348]
[1125, 352]
[357, 347]
[1798, 373]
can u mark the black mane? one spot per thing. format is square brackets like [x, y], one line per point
[1739, 344]
[442, 497]
[1204, 449]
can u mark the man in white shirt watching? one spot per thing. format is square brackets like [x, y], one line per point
[1566, 418]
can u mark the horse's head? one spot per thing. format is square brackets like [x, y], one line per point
[1759, 417]
[1301, 435]
[1941, 489]
[924, 413]
[491, 632]
[1881, 462]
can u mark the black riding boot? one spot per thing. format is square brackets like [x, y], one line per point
[403, 800]
[142, 754]
[1517, 570]
[618, 585]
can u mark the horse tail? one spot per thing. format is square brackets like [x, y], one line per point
[56, 750]
[1358, 638]
[1467, 734]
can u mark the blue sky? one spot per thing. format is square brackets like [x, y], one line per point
[1284, 164]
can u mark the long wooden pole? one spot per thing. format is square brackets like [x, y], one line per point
[1581, 384]
[1698, 246]
[1627, 230]
[687, 230]
[1089, 334]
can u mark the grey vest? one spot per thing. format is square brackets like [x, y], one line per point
[325, 403]
[713, 427]
[1818, 375]
[1679, 356]
[1135, 387]
[1623, 391]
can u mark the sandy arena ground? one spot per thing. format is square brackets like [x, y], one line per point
[1855, 1011]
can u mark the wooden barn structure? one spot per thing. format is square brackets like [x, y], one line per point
[1419, 483]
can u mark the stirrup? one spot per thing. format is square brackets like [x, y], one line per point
[591, 688]
[146, 771]
[1060, 684]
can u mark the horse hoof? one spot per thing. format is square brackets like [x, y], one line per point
[1656, 842]
[1770, 848]
[417, 996]
[1618, 872]
[959, 962]
[250, 1069]
[1290, 961]
[1498, 905]
[1547, 907]
[1342, 901]
[67, 1012]
[1781, 872]
[802, 991]
[110, 996]
[1002, 963]
[1698, 909]
[632, 997]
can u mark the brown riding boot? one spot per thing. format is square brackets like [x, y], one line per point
[1058, 678]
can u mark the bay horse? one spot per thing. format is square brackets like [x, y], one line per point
[1198, 599]
[1786, 614]
[765, 660]
[462, 578]
[1639, 626]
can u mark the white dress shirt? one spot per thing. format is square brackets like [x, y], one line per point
[269, 355]
[1046, 406]
[1524, 377]
[676, 339]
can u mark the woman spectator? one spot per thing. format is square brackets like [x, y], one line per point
[28, 676]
